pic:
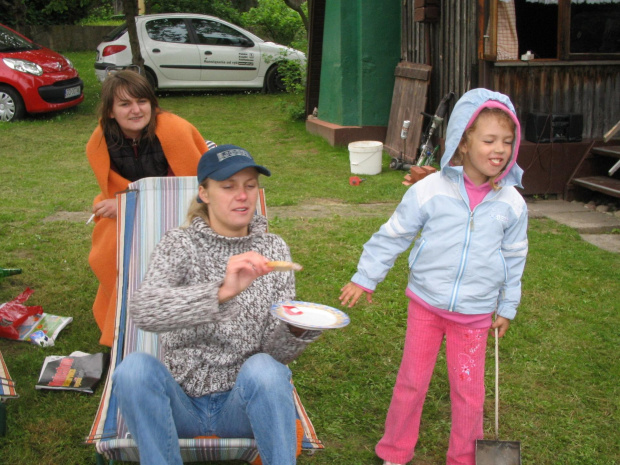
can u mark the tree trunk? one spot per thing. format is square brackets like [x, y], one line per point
[296, 6]
[130, 8]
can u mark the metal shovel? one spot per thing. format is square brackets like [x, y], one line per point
[497, 452]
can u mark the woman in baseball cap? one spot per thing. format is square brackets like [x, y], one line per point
[208, 292]
[227, 189]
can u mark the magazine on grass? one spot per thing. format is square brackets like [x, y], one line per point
[43, 328]
[78, 371]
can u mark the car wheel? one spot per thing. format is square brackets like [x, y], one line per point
[150, 76]
[11, 104]
[273, 81]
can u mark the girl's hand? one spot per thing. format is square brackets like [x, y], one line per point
[241, 271]
[105, 209]
[501, 324]
[351, 293]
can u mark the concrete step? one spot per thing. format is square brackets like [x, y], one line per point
[593, 227]
[574, 214]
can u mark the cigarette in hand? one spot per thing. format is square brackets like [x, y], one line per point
[284, 266]
[92, 217]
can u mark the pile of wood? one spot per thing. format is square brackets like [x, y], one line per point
[416, 173]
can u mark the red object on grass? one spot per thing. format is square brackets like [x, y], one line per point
[14, 313]
[355, 181]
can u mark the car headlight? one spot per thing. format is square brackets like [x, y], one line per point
[23, 66]
[69, 62]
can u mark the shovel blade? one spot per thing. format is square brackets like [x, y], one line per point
[498, 452]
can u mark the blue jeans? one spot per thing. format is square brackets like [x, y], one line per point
[158, 412]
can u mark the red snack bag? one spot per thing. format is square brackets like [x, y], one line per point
[14, 313]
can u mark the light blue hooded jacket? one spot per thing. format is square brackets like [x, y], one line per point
[464, 261]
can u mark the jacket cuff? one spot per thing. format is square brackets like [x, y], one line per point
[363, 282]
[506, 312]
[365, 289]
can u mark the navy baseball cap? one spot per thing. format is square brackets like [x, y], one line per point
[221, 162]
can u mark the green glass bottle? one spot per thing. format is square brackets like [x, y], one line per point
[9, 271]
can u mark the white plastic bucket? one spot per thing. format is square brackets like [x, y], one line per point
[365, 156]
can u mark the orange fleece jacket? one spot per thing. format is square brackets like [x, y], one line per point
[183, 146]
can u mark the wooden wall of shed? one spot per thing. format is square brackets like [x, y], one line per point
[590, 89]
[448, 45]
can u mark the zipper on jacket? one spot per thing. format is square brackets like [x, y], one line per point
[503, 260]
[415, 258]
[470, 228]
[459, 275]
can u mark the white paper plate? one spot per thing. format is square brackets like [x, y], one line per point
[308, 315]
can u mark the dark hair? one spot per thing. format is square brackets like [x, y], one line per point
[136, 86]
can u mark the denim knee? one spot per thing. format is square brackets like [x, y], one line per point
[265, 372]
[136, 371]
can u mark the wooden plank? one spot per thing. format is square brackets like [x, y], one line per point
[608, 151]
[423, 3]
[609, 134]
[609, 186]
[408, 103]
[426, 14]
[421, 73]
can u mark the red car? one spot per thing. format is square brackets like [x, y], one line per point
[34, 79]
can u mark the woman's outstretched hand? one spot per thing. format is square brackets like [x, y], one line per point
[241, 271]
[501, 324]
[350, 294]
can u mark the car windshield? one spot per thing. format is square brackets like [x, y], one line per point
[115, 33]
[11, 42]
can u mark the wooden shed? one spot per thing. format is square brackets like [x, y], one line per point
[558, 61]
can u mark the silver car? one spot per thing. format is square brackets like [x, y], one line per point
[192, 51]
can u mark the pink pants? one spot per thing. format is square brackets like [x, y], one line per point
[465, 354]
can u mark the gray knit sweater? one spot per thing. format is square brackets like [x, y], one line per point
[205, 343]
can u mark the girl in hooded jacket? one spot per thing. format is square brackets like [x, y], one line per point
[465, 266]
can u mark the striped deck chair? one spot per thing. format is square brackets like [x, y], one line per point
[146, 211]
[7, 391]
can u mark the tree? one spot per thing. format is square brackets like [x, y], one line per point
[223, 9]
[275, 20]
[20, 13]
[12, 13]
[130, 8]
[296, 6]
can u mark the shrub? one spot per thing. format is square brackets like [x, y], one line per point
[44, 12]
[293, 76]
[223, 9]
[273, 20]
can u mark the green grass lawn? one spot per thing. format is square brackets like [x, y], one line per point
[559, 368]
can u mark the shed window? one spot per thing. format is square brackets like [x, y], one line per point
[550, 29]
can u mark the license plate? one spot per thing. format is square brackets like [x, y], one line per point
[72, 92]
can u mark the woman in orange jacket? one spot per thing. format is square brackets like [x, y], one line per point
[133, 140]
